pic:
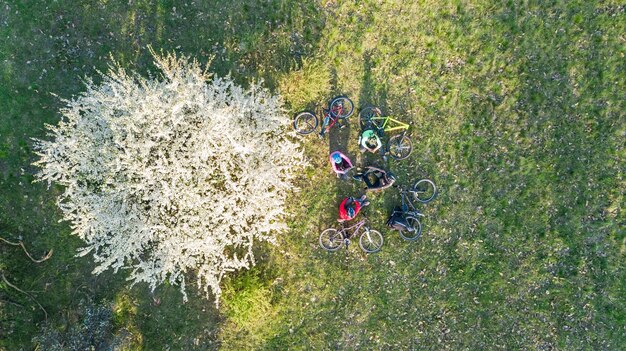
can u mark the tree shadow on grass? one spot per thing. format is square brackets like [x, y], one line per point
[372, 93]
[339, 140]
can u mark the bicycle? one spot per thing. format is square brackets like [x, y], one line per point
[370, 240]
[340, 108]
[399, 146]
[405, 218]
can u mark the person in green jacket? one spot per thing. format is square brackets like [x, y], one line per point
[369, 141]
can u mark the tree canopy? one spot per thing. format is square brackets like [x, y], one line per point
[171, 174]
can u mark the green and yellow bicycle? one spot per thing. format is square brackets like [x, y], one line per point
[399, 146]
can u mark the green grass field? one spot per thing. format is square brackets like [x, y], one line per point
[517, 113]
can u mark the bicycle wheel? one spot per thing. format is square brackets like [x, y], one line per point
[331, 240]
[417, 229]
[305, 123]
[365, 117]
[400, 147]
[341, 107]
[424, 190]
[371, 241]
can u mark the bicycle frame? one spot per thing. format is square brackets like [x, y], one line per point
[328, 122]
[406, 201]
[386, 121]
[358, 226]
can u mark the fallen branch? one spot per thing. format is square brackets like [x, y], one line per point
[25, 293]
[47, 256]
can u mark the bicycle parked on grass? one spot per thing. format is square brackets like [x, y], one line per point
[399, 146]
[404, 219]
[370, 240]
[339, 108]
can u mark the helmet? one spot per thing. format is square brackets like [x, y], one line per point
[337, 158]
[368, 134]
[351, 212]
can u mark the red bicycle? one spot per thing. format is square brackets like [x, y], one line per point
[339, 108]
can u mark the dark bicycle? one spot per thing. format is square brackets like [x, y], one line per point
[404, 219]
[339, 108]
[370, 240]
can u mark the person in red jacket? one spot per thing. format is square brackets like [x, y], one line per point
[350, 207]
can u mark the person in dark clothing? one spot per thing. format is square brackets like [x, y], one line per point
[376, 178]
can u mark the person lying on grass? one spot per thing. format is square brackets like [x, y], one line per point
[369, 141]
[375, 178]
[341, 164]
[350, 207]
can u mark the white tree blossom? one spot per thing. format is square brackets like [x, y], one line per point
[171, 175]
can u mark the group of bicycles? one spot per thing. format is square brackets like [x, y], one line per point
[398, 146]
[374, 127]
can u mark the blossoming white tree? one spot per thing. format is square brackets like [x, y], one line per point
[169, 175]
